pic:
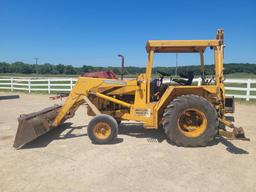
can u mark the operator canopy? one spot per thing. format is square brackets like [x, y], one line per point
[180, 46]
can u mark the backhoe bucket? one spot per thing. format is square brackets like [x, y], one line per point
[34, 125]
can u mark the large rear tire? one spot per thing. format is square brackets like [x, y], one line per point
[102, 129]
[190, 121]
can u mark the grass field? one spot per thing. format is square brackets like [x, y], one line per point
[240, 76]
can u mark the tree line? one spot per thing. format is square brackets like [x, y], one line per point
[47, 68]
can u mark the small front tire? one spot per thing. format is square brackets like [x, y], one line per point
[102, 129]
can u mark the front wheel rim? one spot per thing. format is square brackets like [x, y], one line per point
[102, 131]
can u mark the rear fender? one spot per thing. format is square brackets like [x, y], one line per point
[208, 92]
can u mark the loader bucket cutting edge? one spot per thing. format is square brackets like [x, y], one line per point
[33, 125]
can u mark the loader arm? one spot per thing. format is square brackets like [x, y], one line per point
[71, 104]
[33, 125]
[86, 86]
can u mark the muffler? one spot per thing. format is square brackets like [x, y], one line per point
[33, 125]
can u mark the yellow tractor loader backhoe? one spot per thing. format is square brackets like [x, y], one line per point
[189, 114]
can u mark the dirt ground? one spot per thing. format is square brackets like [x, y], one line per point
[139, 160]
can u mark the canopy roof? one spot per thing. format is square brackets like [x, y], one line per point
[180, 46]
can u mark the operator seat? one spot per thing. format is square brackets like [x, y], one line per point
[189, 76]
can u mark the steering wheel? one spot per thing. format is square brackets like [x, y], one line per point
[163, 74]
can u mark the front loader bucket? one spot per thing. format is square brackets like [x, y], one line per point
[34, 125]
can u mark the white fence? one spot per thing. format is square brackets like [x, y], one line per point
[239, 88]
[249, 88]
[42, 85]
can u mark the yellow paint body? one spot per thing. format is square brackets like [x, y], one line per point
[106, 93]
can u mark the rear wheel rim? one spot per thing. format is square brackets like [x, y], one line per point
[192, 122]
[102, 130]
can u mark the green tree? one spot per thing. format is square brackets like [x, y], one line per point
[87, 68]
[45, 68]
[60, 68]
[69, 69]
[20, 67]
[5, 67]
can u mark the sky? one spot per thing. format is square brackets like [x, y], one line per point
[81, 32]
